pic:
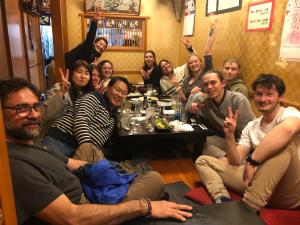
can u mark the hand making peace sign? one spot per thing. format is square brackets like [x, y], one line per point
[64, 83]
[230, 121]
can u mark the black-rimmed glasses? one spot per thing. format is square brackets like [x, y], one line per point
[24, 110]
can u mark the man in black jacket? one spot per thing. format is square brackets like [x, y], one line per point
[89, 50]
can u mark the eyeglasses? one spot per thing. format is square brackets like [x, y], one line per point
[23, 110]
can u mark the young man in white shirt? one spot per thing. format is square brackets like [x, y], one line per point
[265, 164]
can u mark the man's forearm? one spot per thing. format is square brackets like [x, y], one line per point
[276, 140]
[232, 153]
[114, 214]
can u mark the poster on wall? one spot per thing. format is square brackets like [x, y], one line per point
[189, 17]
[290, 39]
[222, 6]
[260, 16]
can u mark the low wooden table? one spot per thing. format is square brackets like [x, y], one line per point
[162, 140]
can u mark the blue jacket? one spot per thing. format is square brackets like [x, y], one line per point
[102, 183]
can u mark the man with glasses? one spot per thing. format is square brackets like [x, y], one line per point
[88, 127]
[45, 190]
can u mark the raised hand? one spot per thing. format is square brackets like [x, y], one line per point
[186, 42]
[165, 209]
[100, 87]
[230, 121]
[98, 14]
[64, 82]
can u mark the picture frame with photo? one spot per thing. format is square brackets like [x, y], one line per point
[130, 7]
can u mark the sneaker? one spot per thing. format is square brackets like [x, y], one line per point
[222, 199]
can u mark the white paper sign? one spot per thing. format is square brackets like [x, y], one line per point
[189, 17]
[290, 39]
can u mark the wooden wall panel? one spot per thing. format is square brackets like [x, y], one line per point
[5, 66]
[6, 194]
[34, 50]
[16, 38]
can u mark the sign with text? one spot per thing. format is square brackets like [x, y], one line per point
[260, 16]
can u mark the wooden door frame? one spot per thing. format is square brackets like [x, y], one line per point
[60, 33]
[7, 202]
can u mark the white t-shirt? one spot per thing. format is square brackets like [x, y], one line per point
[253, 133]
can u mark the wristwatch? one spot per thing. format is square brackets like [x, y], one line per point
[252, 161]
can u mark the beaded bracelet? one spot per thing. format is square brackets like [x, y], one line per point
[149, 208]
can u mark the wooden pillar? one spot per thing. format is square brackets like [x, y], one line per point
[6, 191]
[60, 33]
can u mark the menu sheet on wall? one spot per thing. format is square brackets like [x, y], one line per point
[189, 17]
[260, 15]
[290, 39]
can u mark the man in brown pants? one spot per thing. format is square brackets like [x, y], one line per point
[45, 190]
[270, 146]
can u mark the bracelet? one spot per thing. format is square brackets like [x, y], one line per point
[149, 208]
[252, 161]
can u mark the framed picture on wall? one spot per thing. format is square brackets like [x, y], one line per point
[131, 7]
[260, 16]
[222, 6]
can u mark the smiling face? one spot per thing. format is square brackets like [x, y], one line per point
[95, 77]
[100, 46]
[194, 64]
[106, 70]
[166, 68]
[149, 59]
[230, 70]
[266, 99]
[213, 86]
[81, 77]
[18, 128]
[117, 93]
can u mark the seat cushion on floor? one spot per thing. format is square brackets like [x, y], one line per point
[269, 216]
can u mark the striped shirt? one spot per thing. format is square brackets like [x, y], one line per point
[88, 121]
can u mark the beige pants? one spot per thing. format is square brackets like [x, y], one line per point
[214, 146]
[149, 185]
[276, 182]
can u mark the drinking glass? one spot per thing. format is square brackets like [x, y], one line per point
[134, 124]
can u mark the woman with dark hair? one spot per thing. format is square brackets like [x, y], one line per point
[150, 71]
[66, 92]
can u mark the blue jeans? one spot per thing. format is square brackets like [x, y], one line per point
[55, 145]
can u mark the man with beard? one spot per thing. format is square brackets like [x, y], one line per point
[270, 145]
[214, 109]
[45, 190]
[89, 50]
